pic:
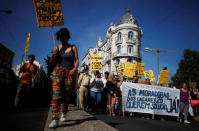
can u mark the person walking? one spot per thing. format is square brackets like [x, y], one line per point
[104, 93]
[84, 89]
[111, 87]
[65, 59]
[184, 103]
[29, 71]
[96, 89]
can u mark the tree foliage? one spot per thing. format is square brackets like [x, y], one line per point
[188, 69]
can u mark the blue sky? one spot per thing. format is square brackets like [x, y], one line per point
[166, 24]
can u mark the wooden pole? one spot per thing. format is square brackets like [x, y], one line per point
[53, 36]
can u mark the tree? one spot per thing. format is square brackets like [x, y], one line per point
[188, 69]
[48, 66]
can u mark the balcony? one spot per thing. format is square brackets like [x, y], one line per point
[116, 55]
[133, 41]
[118, 41]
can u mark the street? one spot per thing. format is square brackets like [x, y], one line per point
[143, 124]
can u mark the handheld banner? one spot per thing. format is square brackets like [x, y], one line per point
[140, 69]
[149, 74]
[27, 43]
[48, 13]
[164, 76]
[96, 62]
[129, 69]
[120, 69]
[150, 99]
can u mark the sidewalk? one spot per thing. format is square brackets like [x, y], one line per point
[79, 120]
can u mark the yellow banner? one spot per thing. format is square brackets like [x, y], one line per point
[164, 76]
[48, 13]
[149, 74]
[96, 62]
[140, 69]
[27, 43]
[129, 69]
[120, 69]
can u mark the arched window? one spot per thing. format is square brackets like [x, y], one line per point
[130, 35]
[119, 36]
[118, 49]
[130, 49]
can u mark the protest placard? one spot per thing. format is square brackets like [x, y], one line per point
[129, 69]
[150, 99]
[120, 69]
[139, 69]
[164, 76]
[48, 13]
[149, 74]
[96, 62]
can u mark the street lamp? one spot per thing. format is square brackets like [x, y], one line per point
[158, 55]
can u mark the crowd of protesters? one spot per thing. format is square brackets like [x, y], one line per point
[97, 94]
[103, 95]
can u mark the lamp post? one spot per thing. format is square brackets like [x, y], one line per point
[158, 55]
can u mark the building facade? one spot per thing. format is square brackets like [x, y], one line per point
[6, 56]
[122, 44]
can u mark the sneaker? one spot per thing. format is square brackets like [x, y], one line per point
[181, 120]
[53, 124]
[187, 122]
[63, 117]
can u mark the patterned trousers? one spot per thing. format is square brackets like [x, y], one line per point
[61, 84]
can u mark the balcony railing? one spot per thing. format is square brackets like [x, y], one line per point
[118, 41]
[126, 54]
[131, 40]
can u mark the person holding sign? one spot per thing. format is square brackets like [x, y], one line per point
[184, 103]
[29, 71]
[62, 75]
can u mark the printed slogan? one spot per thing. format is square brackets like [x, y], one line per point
[150, 99]
[48, 13]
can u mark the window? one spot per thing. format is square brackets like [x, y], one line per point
[130, 49]
[130, 35]
[118, 49]
[117, 61]
[119, 36]
[130, 60]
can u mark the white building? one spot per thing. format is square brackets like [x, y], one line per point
[122, 44]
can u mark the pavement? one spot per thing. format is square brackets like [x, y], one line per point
[31, 119]
[79, 120]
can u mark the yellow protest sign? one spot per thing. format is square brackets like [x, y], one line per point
[164, 76]
[129, 69]
[48, 13]
[120, 69]
[96, 62]
[27, 43]
[149, 74]
[140, 69]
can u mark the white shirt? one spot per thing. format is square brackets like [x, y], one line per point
[98, 81]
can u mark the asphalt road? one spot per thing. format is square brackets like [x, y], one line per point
[143, 124]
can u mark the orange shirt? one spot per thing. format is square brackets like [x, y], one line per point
[29, 70]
